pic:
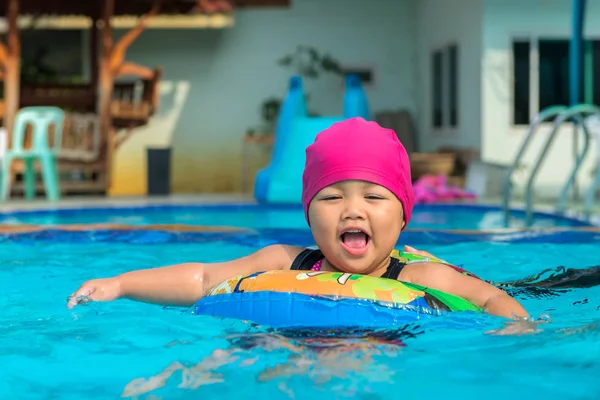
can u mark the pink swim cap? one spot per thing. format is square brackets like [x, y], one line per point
[355, 149]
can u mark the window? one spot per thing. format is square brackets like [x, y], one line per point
[51, 56]
[594, 59]
[553, 75]
[453, 82]
[554, 72]
[444, 89]
[521, 51]
[437, 70]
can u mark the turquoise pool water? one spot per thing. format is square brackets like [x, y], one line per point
[133, 350]
[260, 217]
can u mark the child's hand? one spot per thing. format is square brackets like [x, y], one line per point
[95, 290]
[517, 327]
[412, 250]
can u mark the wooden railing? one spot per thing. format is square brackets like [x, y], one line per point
[133, 102]
[70, 97]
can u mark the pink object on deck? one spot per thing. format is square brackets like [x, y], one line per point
[432, 189]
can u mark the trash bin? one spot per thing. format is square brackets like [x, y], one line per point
[159, 171]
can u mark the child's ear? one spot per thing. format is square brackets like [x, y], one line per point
[403, 224]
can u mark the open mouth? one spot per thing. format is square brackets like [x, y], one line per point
[355, 241]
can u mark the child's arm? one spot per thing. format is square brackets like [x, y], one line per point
[482, 294]
[181, 284]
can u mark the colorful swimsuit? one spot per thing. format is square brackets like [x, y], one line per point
[312, 260]
[317, 266]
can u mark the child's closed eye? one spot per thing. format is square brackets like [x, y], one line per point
[330, 198]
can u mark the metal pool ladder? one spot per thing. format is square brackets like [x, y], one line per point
[577, 113]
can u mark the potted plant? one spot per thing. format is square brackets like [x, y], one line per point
[307, 62]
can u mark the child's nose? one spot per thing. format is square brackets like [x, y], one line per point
[353, 209]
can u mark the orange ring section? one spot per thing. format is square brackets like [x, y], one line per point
[320, 283]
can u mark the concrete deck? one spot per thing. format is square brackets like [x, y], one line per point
[88, 201]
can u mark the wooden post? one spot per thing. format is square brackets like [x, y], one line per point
[94, 56]
[118, 65]
[12, 81]
[105, 90]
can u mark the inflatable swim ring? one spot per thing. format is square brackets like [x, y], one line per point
[326, 299]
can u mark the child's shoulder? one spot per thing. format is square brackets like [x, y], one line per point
[281, 254]
[281, 249]
[412, 258]
[417, 265]
[430, 274]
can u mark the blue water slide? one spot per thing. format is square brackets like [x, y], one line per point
[355, 99]
[281, 181]
[294, 105]
[285, 186]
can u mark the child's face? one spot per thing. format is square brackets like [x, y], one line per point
[373, 215]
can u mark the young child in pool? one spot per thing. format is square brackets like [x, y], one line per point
[357, 197]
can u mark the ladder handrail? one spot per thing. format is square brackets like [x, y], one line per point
[575, 111]
[589, 109]
[543, 116]
[591, 192]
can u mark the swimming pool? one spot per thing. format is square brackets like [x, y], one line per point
[439, 216]
[133, 350]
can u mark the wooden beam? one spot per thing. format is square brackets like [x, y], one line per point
[94, 54]
[214, 6]
[105, 87]
[123, 137]
[3, 54]
[12, 80]
[90, 7]
[262, 3]
[118, 52]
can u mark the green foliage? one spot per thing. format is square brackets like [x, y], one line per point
[307, 62]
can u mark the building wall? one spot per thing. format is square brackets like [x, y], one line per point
[504, 20]
[215, 81]
[439, 23]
